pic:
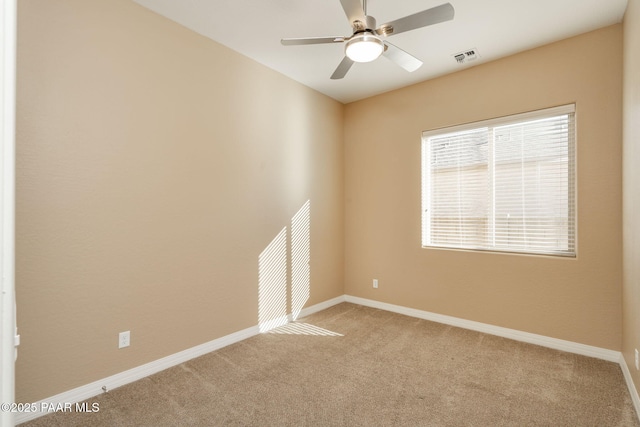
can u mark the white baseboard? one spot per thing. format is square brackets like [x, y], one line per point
[95, 388]
[558, 344]
[630, 385]
[321, 306]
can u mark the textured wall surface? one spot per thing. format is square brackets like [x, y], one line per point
[154, 168]
[631, 187]
[572, 299]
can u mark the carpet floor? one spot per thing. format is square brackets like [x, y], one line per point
[356, 366]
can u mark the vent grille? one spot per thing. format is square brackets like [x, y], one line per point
[466, 56]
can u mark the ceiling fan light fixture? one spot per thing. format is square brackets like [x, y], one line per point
[364, 48]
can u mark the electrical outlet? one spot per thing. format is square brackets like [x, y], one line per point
[124, 339]
[637, 360]
[375, 283]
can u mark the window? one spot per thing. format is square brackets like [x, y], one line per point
[505, 184]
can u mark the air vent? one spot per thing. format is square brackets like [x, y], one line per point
[466, 56]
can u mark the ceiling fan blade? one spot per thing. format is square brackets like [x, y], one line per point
[311, 40]
[435, 15]
[400, 57]
[342, 69]
[354, 10]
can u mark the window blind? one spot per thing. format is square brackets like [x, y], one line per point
[505, 184]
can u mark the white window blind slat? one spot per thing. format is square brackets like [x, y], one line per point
[507, 184]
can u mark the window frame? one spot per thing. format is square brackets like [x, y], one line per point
[572, 216]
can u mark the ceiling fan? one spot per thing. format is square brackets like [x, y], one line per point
[367, 42]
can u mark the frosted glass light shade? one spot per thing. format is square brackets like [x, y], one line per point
[364, 48]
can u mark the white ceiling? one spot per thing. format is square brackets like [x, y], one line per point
[495, 28]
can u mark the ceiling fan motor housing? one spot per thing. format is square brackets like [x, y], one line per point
[364, 45]
[359, 26]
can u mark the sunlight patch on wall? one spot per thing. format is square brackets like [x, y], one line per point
[300, 258]
[284, 273]
[272, 284]
[304, 329]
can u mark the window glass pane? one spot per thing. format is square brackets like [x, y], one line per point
[531, 185]
[458, 202]
[506, 186]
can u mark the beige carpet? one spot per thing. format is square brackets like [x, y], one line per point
[356, 366]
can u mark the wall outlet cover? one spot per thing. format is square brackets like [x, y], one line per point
[124, 339]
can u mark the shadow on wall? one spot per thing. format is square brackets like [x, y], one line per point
[284, 273]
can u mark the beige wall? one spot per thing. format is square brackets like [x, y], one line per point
[631, 188]
[153, 168]
[572, 299]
